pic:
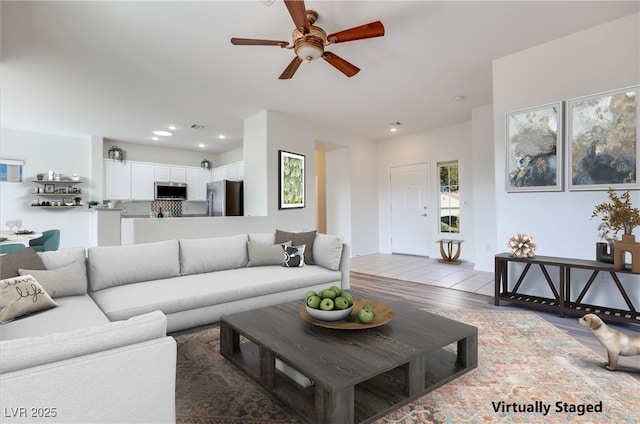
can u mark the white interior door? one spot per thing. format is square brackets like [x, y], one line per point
[410, 215]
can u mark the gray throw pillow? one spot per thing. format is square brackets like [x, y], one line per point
[20, 296]
[25, 258]
[298, 239]
[261, 254]
[69, 280]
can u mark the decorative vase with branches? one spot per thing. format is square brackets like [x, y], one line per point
[617, 215]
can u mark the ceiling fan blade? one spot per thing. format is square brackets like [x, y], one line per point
[298, 13]
[291, 69]
[340, 64]
[373, 29]
[257, 42]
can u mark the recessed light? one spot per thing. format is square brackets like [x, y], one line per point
[173, 127]
[163, 133]
[201, 145]
[394, 126]
[458, 98]
[154, 138]
[222, 136]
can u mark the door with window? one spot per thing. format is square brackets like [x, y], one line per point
[410, 217]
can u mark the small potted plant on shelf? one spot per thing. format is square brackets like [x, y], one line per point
[92, 203]
[39, 176]
[116, 153]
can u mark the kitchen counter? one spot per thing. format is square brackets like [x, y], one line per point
[147, 230]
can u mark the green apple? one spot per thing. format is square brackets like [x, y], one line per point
[326, 304]
[328, 294]
[370, 309]
[365, 315]
[314, 301]
[347, 296]
[336, 289]
[341, 302]
[309, 294]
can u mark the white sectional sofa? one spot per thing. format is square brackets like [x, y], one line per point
[102, 355]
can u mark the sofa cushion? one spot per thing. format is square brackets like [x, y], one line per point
[72, 313]
[293, 256]
[69, 280]
[32, 351]
[261, 254]
[298, 239]
[116, 265]
[23, 258]
[213, 254]
[327, 251]
[20, 296]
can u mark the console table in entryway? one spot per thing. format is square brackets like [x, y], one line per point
[562, 301]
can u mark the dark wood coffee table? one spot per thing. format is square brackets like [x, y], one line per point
[358, 375]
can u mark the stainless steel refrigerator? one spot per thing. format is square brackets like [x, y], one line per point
[225, 198]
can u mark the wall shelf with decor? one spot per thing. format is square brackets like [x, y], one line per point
[59, 194]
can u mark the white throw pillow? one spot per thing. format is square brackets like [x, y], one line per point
[327, 251]
[20, 296]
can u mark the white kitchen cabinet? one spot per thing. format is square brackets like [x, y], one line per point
[142, 179]
[173, 174]
[196, 184]
[232, 171]
[236, 171]
[162, 173]
[178, 174]
[117, 177]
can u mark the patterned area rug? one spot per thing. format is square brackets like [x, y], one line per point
[528, 372]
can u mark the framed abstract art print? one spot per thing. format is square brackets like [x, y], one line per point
[534, 148]
[602, 138]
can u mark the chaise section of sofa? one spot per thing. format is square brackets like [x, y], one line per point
[115, 372]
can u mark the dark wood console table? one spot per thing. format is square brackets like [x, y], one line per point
[562, 301]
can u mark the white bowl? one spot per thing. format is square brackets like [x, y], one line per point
[334, 315]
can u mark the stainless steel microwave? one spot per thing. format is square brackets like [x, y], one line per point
[170, 191]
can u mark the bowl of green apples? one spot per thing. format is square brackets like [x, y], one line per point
[331, 304]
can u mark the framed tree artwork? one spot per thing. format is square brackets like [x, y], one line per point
[534, 148]
[291, 180]
[602, 137]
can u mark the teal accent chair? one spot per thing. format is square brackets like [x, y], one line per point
[50, 240]
[11, 247]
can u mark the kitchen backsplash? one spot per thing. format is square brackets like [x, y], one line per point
[170, 208]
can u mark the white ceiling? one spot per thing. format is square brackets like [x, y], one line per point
[123, 69]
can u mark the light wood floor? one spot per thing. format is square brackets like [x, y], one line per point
[425, 296]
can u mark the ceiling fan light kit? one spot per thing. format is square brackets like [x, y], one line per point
[309, 41]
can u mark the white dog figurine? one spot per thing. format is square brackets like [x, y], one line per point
[615, 342]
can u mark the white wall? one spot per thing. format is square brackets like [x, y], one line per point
[351, 193]
[599, 59]
[483, 206]
[602, 58]
[443, 144]
[41, 153]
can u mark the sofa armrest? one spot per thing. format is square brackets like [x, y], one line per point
[129, 384]
[17, 354]
[345, 260]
